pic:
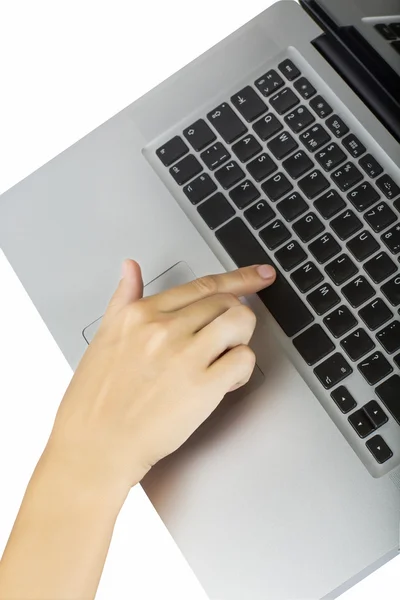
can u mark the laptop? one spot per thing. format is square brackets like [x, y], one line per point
[281, 145]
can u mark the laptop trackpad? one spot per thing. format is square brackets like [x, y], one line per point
[177, 275]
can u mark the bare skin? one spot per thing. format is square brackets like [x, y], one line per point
[155, 371]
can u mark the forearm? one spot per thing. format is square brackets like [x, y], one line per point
[61, 536]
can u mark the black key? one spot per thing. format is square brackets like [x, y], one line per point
[308, 227]
[363, 196]
[380, 267]
[297, 164]
[357, 344]
[304, 87]
[396, 204]
[396, 46]
[291, 255]
[269, 83]
[284, 101]
[375, 414]
[244, 194]
[259, 214]
[395, 27]
[246, 148]
[388, 186]
[292, 207]
[172, 150]
[299, 119]
[216, 210]
[340, 321]
[389, 393]
[185, 169]
[323, 299]
[315, 137]
[199, 135]
[333, 370]
[391, 289]
[324, 248]
[385, 31]
[389, 337]
[275, 234]
[391, 239]
[320, 106]
[200, 188]
[397, 359]
[337, 126]
[215, 156]
[229, 174]
[370, 165]
[267, 126]
[330, 157]
[289, 69]
[346, 224]
[261, 167]
[277, 186]
[329, 204]
[306, 277]
[282, 145]
[280, 299]
[374, 368]
[347, 176]
[380, 217]
[379, 449]
[343, 399]
[313, 184]
[341, 269]
[375, 314]
[361, 423]
[363, 245]
[249, 104]
[227, 123]
[358, 291]
[313, 344]
[353, 145]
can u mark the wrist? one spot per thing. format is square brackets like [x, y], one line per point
[78, 479]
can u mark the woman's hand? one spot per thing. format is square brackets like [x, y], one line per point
[154, 372]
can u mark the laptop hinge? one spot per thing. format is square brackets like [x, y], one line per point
[384, 107]
[366, 73]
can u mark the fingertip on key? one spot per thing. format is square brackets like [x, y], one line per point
[266, 272]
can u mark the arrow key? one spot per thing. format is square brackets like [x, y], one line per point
[379, 449]
[361, 423]
[343, 399]
[375, 413]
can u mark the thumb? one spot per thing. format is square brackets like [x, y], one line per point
[130, 287]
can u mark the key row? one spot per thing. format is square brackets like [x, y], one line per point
[314, 344]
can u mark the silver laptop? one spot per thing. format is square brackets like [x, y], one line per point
[281, 145]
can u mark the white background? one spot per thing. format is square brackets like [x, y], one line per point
[65, 67]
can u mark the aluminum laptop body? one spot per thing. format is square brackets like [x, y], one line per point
[277, 495]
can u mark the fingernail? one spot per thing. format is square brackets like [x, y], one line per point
[266, 271]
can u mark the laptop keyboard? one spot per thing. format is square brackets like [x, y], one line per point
[334, 238]
[391, 33]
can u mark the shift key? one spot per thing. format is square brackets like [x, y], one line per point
[280, 298]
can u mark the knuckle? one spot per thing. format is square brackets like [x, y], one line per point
[248, 357]
[136, 312]
[157, 333]
[206, 285]
[247, 315]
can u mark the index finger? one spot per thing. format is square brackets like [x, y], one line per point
[244, 281]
